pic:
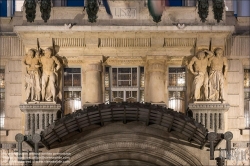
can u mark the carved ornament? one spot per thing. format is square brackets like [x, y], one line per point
[218, 9]
[30, 10]
[209, 106]
[45, 8]
[26, 107]
[203, 9]
[92, 10]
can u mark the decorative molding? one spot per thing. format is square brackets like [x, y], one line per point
[36, 107]
[179, 42]
[11, 46]
[124, 42]
[94, 67]
[209, 106]
[70, 42]
[125, 60]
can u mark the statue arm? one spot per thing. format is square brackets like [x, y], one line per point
[225, 64]
[190, 66]
[210, 53]
[57, 63]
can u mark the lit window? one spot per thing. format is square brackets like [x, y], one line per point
[247, 96]
[126, 84]
[72, 90]
[2, 97]
[177, 88]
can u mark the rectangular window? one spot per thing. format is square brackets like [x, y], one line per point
[2, 97]
[247, 96]
[177, 88]
[72, 89]
[124, 84]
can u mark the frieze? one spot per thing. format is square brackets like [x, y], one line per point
[209, 106]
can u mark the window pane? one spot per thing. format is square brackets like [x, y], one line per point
[68, 94]
[134, 77]
[2, 79]
[68, 80]
[246, 78]
[247, 108]
[76, 79]
[114, 76]
[177, 101]
[177, 77]
[142, 77]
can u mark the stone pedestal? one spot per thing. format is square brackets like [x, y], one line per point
[210, 114]
[39, 116]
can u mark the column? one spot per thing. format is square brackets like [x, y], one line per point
[156, 88]
[243, 8]
[93, 83]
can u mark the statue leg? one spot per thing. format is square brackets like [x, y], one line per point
[38, 88]
[44, 83]
[205, 84]
[197, 86]
[52, 81]
[221, 93]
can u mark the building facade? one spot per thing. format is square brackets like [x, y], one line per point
[115, 54]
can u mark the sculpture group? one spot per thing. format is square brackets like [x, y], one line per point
[41, 75]
[210, 71]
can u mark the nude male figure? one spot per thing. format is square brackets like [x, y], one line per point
[198, 67]
[50, 66]
[218, 72]
[32, 85]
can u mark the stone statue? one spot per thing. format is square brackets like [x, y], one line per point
[198, 67]
[50, 66]
[32, 76]
[217, 73]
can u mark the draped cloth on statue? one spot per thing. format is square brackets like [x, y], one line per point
[216, 81]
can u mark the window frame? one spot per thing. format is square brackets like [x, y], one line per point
[112, 88]
[178, 88]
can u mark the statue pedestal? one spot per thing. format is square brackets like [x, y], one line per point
[211, 114]
[39, 115]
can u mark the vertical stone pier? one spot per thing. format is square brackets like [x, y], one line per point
[156, 80]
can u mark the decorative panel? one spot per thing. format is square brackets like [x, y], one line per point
[70, 42]
[11, 46]
[179, 42]
[124, 42]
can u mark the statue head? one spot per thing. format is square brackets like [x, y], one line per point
[31, 53]
[218, 52]
[48, 53]
[201, 55]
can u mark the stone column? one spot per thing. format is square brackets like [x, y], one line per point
[93, 83]
[156, 88]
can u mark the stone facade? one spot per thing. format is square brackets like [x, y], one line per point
[130, 39]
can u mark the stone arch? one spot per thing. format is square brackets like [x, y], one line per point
[129, 143]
